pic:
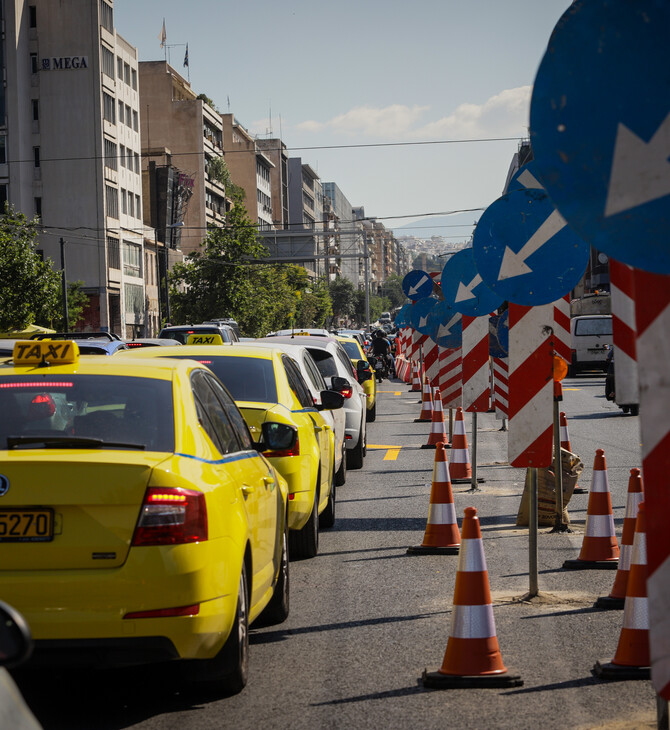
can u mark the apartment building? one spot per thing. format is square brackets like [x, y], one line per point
[181, 129]
[275, 151]
[70, 150]
[350, 234]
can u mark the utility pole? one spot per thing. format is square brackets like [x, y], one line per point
[64, 285]
[367, 281]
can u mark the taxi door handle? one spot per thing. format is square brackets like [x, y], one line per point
[268, 481]
[247, 489]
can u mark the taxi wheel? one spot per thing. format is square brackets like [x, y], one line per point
[327, 518]
[355, 455]
[229, 668]
[341, 474]
[371, 414]
[276, 612]
[304, 543]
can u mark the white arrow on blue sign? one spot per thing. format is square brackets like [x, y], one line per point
[446, 326]
[463, 288]
[524, 250]
[600, 127]
[417, 284]
[419, 316]
[525, 177]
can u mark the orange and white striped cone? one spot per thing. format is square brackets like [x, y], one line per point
[438, 428]
[565, 444]
[632, 660]
[459, 463]
[416, 382]
[472, 657]
[442, 536]
[426, 404]
[617, 596]
[599, 547]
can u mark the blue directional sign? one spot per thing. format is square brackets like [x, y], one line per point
[402, 316]
[446, 326]
[417, 285]
[419, 316]
[463, 288]
[525, 177]
[499, 335]
[600, 127]
[525, 251]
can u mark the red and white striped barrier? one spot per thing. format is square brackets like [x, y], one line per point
[531, 385]
[562, 340]
[626, 382]
[431, 362]
[652, 317]
[500, 387]
[451, 387]
[417, 343]
[476, 368]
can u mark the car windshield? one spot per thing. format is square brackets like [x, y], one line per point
[247, 378]
[352, 350]
[116, 410]
[593, 326]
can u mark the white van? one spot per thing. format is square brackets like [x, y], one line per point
[591, 338]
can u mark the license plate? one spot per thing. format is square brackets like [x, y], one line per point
[596, 350]
[26, 525]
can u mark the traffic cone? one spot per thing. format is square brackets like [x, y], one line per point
[416, 382]
[460, 469]
[438, 428]
[472, 657]
[635, 495]
[426, 404]
[631, 660]
[565, 444]
[599, 547]
[442, 536]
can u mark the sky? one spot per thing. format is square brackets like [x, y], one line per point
[347, 84]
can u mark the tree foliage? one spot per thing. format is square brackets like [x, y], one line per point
[29, 287]
[344, 297]
[77, 299]
[392, 289]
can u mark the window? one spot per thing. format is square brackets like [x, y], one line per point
[110, 154]
[134, 296]
[122, 155]
[3, 149]
[132, 259]
[131, 204]
[107, 62]
[108, 108]
[133, 76]
[124, 204]
[32, 14]
[136, 123]
[112, 201]
[138, 207]
[296, 383]
[211, 414]
[113, 253]
[137, 163]
[36, 156]
[38, 207]
[3, 196]
[120, 112]
[33, 63]
[106, 16]
[126, 73]
[129, 120]
[119, 68]
[36, 110]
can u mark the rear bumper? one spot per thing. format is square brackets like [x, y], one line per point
[119, 652]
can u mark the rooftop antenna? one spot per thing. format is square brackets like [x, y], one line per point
[269, 129]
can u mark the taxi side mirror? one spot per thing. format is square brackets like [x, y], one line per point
[16, 643]
[277, 437]
[363, 371]
[338, 383]
[330, 401]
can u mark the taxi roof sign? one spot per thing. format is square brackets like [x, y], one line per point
[204, 340]
[39, 352]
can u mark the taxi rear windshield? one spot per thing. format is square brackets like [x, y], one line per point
[182, 335]
[247, 378]
[351, 348]
[119, 411]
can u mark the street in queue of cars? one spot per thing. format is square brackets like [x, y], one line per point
[364, 373]
[138, 520]
[267, 385]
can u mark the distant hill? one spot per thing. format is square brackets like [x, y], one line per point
[458, 224]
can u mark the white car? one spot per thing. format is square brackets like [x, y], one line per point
[333, 362]
[316, 383]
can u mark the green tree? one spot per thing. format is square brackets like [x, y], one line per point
[29, 287]
[343, 296]
[392, 290]
[314, 305]
[77, 299]
[377, 306]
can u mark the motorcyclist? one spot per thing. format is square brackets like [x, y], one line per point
[381, 347]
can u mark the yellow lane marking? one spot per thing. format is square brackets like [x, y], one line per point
[391, 451]
[571, 388]
[393, 392]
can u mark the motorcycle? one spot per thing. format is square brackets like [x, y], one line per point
[382, 366]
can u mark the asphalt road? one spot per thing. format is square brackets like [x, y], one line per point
[367, 619]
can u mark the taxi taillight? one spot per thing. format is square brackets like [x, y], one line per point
[171, 516]
[346, 392]
[295, 451]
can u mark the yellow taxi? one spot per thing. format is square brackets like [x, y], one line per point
[267, 385]
[138, 523]
[363, 372]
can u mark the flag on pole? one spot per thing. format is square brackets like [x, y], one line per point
[186, 56]
[162, 36]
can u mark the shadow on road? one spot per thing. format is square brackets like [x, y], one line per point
[402, 692]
